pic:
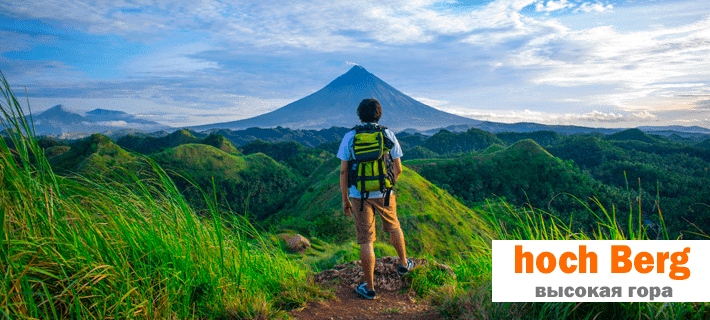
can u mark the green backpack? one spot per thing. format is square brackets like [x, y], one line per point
[372, 169]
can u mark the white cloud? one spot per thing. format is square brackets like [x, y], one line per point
[431, 102]
[642, 65]
[552, 5]
[594, 117]
[644, 115]
[597, 116]
[594, 7]
[119, 123]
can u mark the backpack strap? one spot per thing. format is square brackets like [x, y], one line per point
[387, 195]
[388, 164]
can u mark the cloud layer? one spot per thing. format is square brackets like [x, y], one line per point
[551, 61]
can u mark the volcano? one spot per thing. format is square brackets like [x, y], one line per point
[336, 105]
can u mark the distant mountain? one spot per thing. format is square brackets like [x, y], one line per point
[336, 105]
[61, 121]
[495, 127]
[692, 129]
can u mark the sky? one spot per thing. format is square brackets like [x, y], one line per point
[599, 63]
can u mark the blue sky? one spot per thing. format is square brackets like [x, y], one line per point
[584, 62]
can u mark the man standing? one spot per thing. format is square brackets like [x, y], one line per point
[369, 111]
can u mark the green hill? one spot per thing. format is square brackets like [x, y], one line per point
[221, 143]
[96, 156]
[522, 174]
[446, 142]
[148, 145]
[407, 140]
[419, 152]
[634, 135]
[301, 159]
[255, 183]
[704, 145]
[426, 213]
[543, 138]
[54, 151]
[587, 151]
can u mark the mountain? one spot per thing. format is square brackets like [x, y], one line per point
[495, 127]
[61, 121]
[683, 129]
[336, 105]
[103, 115]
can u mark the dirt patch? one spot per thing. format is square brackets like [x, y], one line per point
[393, 300]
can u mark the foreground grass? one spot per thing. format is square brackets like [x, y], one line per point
[71, 248]
[468, 296]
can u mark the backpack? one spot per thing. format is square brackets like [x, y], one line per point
[372, 169]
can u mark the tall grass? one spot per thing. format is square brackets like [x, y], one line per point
[469, 295]
[73, 248]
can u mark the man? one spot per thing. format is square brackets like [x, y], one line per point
[370, 112]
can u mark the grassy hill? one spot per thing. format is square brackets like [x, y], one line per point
[634, 135]
[308, 138]
[95, 157]
[301, 159]
[221, 143]
[253, 184]
[587, 151]
[419, 152]
[426, 213]
[669, 176]
[147, 145]
[543, 138]
[473, 139]
[522, 174]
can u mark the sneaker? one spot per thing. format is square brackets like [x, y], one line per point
[403, 270]
[361, 290]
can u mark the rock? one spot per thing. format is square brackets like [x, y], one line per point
[297, 243]
[386, 276]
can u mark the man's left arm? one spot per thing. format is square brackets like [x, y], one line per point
[396, 154]
[397, 167]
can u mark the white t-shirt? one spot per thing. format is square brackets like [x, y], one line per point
[347, 153]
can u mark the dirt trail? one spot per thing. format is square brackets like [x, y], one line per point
[391, 303]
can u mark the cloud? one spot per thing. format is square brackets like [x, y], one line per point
[552, 5]
[280, 52]
[702, 105]
[596, 116]
[590, 118]
[118, 123]
[594, 7]
[431, 102]
[644, 115]
[641, 65]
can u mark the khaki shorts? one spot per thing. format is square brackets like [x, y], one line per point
[365, 220]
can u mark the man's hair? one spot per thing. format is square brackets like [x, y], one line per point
[369, 110]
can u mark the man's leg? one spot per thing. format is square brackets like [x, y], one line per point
[391, 224]
[365, 227]
[367, 259]
[397, 240]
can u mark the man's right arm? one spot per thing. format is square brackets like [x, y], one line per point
[347, 206]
